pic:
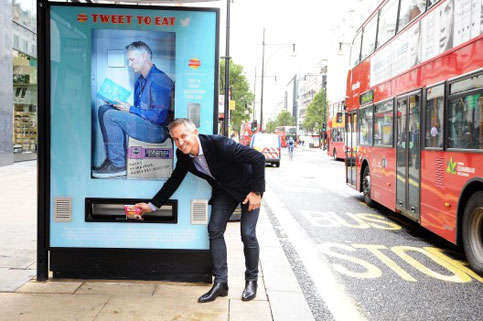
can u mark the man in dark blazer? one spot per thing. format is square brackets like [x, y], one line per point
[236, 174]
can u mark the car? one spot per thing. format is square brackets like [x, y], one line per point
[269, 145]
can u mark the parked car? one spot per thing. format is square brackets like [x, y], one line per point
[269, 146]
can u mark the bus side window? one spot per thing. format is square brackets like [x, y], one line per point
[465, 113]
[409, 10]
[383, 124]
[369, 38]
[387, 22]
[356, 50]
[434, 116]
[365, 126]
[465, 117]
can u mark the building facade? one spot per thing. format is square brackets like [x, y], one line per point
[18, 70]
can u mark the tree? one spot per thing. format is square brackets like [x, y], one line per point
[240, 93]
[285, 119]
[316, 110]
[270, 126]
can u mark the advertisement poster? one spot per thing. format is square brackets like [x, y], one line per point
[118, 75]
[133, 102]
[450, 24]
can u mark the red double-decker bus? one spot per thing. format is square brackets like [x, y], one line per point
[284, 132]
[336, 132]
[247, 130]
[415, 116]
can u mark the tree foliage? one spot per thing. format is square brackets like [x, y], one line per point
[240, 93]
[270, 126]
[316, 110]
[284, 118]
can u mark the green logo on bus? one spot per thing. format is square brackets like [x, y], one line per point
[451, 169]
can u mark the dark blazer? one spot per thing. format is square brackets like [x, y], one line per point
[237, 169]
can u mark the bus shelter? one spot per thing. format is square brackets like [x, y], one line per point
[107, 69]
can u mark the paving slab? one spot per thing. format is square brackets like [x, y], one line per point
[16, 258]
[265, 232]
[237, 284]
[278, 274]
[50, 307]
[131, 288]
[289, 306]
[251, 311]
[189, 292]
[51, 286]
[163, 308]
[12, 279]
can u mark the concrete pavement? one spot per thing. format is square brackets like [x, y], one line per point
[279, 295]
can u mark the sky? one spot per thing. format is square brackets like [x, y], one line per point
[315, 26]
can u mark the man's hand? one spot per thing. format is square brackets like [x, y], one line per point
[144, 207]
[122, 106]
[254, 201]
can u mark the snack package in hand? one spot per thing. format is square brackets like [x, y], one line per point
[133, 212]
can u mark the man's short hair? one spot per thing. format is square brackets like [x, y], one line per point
[141, 47]
[182, 121]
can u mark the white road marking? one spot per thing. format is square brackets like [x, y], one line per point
[332, 292]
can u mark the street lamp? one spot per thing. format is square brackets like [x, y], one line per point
[340, 52]
[283, 45]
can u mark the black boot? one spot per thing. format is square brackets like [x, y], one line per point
[218, 289]
[250, 291]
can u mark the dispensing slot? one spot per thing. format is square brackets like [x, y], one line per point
[112, 210]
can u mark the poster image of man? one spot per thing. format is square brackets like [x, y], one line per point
[415, 45]
[142, 120]
[446, 26]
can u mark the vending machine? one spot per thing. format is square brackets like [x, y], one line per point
[111, 77]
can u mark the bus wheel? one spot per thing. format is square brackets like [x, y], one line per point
[334, 154]
[473, 232]
[366, 187]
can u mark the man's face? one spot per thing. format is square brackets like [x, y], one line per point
[136, 60]
[185, 139]
[445, 24]
[414, 45]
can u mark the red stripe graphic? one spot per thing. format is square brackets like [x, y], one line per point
[270, 152]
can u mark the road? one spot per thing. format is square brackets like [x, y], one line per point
[359, 263]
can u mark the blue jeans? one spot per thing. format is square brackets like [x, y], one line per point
[116, 124]
[222, 207]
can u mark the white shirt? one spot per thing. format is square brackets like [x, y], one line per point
[200, 161]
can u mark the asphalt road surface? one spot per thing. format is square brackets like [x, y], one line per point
[359, 263]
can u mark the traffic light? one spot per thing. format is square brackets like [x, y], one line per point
[254, 126]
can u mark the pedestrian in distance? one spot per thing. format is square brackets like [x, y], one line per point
[236, 174]
[291, 145]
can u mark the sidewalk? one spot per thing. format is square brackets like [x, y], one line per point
[279, 295]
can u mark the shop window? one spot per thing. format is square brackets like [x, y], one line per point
[25, 106]
[365, 133]
[465, 122]
[383, 124]
[434, 117]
